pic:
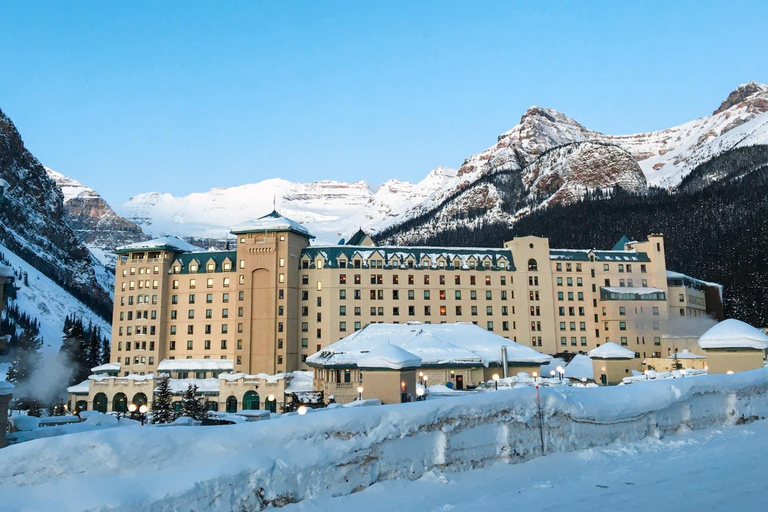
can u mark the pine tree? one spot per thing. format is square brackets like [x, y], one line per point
[162, 409]
[25, 358]
[193, 406]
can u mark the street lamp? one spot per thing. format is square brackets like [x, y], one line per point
[359, 392]
[143, 413]
[419, 393]
[421, 377]
[496, 380]
[271, 405]
[561, 371]
[426, 377]
[535, 377]
[302, 410]
[552, 373]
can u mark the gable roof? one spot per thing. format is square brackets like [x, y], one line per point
[620, 245]
[360, 238]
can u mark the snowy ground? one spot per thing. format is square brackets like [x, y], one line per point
[715, 469]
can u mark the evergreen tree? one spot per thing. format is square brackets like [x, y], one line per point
[25, 358]
[193, 406]
[162, 409]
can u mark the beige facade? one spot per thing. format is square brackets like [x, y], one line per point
[734, 360]
[614, 370]
[276, 300]
[227, 392]
[389, 386]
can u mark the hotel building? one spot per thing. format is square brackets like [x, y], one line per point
[276, 299]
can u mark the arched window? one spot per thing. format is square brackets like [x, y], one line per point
[82, 405]
[250, 400]
[212, 405]
[231, 404]
[270, 405]
[100, 402]
[120, 403]
[140, 399]
[532, 265]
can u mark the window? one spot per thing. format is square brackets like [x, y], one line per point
[622, 326]
[343, 326]
[426, 295]
[189, 344]
[532, 265]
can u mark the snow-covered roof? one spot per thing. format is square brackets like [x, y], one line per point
[168, 365]
[106, 367]
[639, 290]
[610, 350]
[167, 243]
[271, 222]
[685, 354]
[203, 385]
[580, 367]
[81, 388]
[389, 356]
[732, 333]
[302, 381]
[6, 271]
[459, 344]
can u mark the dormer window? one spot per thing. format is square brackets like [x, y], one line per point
[211, 267]
[227, 266]
[176, 269]
[193, 267]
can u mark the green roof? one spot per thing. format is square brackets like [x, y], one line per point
[583, 255]
[332, 253]
[357, 238]
[202, 259]
[621, 243]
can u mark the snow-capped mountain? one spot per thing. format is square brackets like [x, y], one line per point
[520, 157]
[34, 228]
[330, 209]
[501, 174]
[93, 220]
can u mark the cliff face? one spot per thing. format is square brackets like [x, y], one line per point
[93, 221]
[33, 223]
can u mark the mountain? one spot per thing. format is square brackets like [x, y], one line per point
[501, 174]
[34, 228]
[330, 209]
[93, 221]
[523, 171]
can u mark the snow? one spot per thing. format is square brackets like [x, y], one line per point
[170, 242]
[167, 365]
[49, 303]
[253, 465]
[732, 333]
[302, 381]
[6, 271]
[685, 354]
[639, 290]
[389, 356]
[610, 350]
[701, 470]
[329, 209]
[82, 387]
[580, 367]
[435, 344]
[23, 422]
[106, 367]
[6, 387]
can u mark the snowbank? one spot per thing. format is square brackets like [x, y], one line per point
[250, 466]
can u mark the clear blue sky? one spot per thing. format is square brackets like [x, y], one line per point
[184, 96]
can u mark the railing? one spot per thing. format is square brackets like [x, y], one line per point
[343, 385]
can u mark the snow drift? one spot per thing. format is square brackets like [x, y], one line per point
[330, 453]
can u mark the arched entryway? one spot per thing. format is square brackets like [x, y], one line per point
[100, 402]
[231, 404]
[139, 399]
[120, 402]
[82, 405]
[250, 400]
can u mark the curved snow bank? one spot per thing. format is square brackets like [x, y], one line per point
[336, 452]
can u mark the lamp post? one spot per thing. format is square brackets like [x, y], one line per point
[421, 377]
[359, 392]
[561, 372]
[143, 413]
[535, 377]
[552, 373]
[426, 377]
[496, 380]
[302, 410]
[272, 406]
[419, 394]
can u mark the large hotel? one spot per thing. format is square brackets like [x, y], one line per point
[277, 299]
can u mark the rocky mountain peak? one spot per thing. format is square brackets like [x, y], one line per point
[741, 93]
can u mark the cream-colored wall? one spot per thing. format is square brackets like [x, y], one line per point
[734, 360]
[664, 364]
[386, 384]
[615, 369]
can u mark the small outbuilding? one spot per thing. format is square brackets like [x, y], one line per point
[612, 362]
[734, 346]
[389, 374]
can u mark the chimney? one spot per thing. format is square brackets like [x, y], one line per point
[504, 360]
